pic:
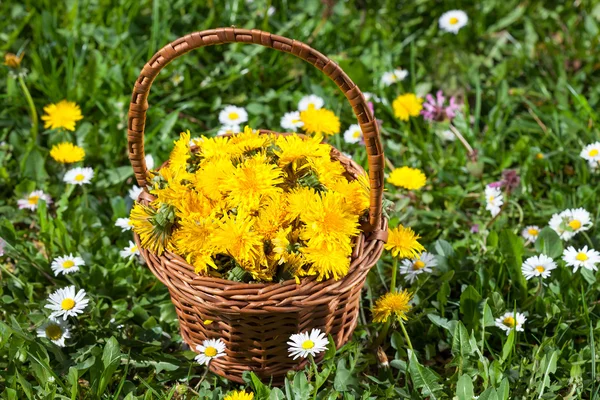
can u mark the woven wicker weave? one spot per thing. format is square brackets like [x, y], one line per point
[256, 320]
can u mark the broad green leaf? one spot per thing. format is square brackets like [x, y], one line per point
[488, 316]
[111, 358]
[489, 394]
[508, 345]
[461, 347]
[503, 390]
[301, 389]
[549, 243]
[469, 305]
[512, 250]
[548, 366]
[464, 388]
[423, 378]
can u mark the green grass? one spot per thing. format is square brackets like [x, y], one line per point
[527, 73]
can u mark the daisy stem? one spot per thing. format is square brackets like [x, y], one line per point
[316, 373]
[394, 274]
[408, 342]
[32, 111]
[589, 240]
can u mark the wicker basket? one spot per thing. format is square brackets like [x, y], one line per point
[256, 320]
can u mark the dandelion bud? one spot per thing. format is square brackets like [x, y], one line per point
[12, 60]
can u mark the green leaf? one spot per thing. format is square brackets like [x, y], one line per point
[503, 390]
[464, 388]
[548, 242]
[301, 389]
[260, 389]
[461, 346]
[111, 358]
[548, 366]
[512, 250]
[508, 345]
[488, 316]
[469, 305]
[489, 394]
[343, 377]
[423, 378]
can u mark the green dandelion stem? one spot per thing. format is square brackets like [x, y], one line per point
[32, 111]
[394, 275]
[408, 342]
[383, 334]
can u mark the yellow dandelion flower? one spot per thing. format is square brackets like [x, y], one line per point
[193, 240]
[236, 237]
[271, 216]
[66, 153]
[329, 222]
[218, 147]
[407, 105]
[251, 181]
[320, 121]
[239, 395]
[403, 242]
[249, 140]
[392, 303]
[63, 114]
[153, 226]
[328, 172]
[408, 178]
[286, 249]
[292, 148]
[327, 262]
[212, 177]
[297, 199]
[180, 154]
[357, 198]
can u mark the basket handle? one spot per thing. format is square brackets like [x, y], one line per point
[370, 129]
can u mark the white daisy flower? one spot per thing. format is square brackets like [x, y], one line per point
[394, 76]
[418, 265]
[303, 344]
[271, 10]
[31, 201]
[66, 264]
[176, 79]
[581, 258]
[511, 320]
[353, 134]
[209, 349]
[541, 265]
[570, 222]
[591, 152]
[452, 21]
[55, 330]
[79, 176]
[494, 200]
[124, 224]
[311, 100]
[530, 233]
[232, 115]
[149, 161]
[594, 165]
[130, 251]
[229, 130]
[291, 121]
[135, 192]
[64, 302]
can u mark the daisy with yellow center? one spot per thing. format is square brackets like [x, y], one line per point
[63, 114]
[66, 264]
[570, 222]
[406, 106]
[422, 264]
[403, 242]
[541, 265]
[320, 121]
[452, 21]
[392, 304]
[353, 134]
[239, 395]
[530, 233]
[408, 178]
[55, 330]
[66, 153]
[232, 115]
[130, 251]
[591, 152]
[581, 258]
[124, 223]
[511, 320]
[390, 77]
[291, 121]
[79, 176]
[307, 344]
[66, 303]
[312, 100]
[31, 201]
[209, 350]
